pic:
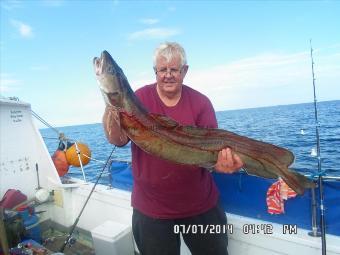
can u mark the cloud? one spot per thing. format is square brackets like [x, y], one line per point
[81, 113]
[11, 5]
[8, 83]
[53, 3]
[153, 33]
[24, 30]
[268, 70]
[262, 80]
[39, 68]
[267, 79]
[149, 21]
[171, 8]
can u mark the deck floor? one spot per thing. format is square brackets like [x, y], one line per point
[55, 239]
[76, 249]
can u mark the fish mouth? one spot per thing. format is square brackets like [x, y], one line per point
[106, 64]
[101, 63]
[109, 75]
[97, 64]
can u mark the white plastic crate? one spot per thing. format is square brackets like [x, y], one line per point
[113, 238]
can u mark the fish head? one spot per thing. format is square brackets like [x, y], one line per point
[111, 79]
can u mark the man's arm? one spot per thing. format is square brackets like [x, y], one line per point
[112, 128]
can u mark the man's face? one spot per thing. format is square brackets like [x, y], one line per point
[170, 75]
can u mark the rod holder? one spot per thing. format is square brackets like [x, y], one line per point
[315, 230]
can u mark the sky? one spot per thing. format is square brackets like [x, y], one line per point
[241, 54]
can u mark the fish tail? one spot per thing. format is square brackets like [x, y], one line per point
[298, 182]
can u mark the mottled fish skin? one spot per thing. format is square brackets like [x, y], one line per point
[165, 138]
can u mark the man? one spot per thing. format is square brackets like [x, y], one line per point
[170, 198]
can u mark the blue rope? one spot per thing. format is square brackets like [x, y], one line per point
[316, 175]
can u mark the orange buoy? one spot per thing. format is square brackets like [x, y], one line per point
[60, 162]
[72, 155]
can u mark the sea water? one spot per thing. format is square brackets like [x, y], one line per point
[288, 126]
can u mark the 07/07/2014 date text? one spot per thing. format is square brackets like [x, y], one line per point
[251, 229]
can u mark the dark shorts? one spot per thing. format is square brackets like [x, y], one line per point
[204, 234]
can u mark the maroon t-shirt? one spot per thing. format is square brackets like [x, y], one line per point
[161, 188]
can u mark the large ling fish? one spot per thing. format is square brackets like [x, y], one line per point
[165, 138]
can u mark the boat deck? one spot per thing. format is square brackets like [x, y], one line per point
[55, 236]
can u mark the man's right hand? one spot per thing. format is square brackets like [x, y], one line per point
[112, 129]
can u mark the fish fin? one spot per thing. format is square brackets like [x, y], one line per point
[164, 121]
[284, 156]
[305, 181]
[298, 182]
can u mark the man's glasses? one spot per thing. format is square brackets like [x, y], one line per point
[171, 71]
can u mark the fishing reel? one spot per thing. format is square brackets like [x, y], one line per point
[71, 241]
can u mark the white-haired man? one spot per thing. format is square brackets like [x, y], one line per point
[170, 198]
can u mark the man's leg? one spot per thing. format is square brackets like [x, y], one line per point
[214, 241]
[154, 236]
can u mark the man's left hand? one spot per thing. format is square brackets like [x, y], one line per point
[228, 162]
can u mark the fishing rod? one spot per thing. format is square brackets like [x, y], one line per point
[69, 236]
[320, 173]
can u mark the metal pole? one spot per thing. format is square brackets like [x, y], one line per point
[322, 208]
[80, 162]
[37, 170]
[314, 231]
